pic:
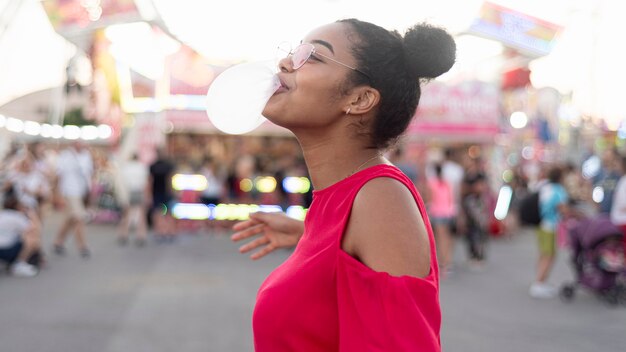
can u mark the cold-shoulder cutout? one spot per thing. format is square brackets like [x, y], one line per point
[386, 231]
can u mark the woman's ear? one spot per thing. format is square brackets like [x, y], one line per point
[363, 100]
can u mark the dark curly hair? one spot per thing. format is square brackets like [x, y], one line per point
[555, 175]
[10, 200]
[395, 66]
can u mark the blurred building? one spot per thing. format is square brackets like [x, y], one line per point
[535, 82]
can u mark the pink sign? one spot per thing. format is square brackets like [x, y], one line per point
[466, 108]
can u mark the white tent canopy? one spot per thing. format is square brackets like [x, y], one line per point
[32, 56]
[584, 61]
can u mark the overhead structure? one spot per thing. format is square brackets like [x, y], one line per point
[44, 42]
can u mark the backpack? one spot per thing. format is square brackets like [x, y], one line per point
[529, 213]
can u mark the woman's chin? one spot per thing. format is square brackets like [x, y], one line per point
[271, 112]
[275, 118]
[267, 113]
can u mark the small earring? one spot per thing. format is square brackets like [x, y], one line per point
[348, 111]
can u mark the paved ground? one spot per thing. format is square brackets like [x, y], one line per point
[197, 294]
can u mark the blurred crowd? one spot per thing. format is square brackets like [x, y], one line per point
[155, 195]
[89, 183]
[465, 204]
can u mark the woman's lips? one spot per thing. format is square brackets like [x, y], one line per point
[283, 87]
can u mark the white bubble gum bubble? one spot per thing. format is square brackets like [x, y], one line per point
[237, 97]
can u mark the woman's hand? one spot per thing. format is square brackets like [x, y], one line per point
[276, 230]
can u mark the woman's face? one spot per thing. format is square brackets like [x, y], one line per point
[26, 165]
[311, 96]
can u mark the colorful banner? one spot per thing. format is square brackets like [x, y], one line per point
[530, 35]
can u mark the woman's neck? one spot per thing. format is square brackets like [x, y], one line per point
[330, 160]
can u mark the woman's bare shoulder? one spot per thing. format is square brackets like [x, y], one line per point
[386, 231]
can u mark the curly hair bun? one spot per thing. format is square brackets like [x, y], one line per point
[430, 51]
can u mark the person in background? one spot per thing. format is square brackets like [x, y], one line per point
[399, 158]
[30, 185]
[574, 183]
[45, 166]
[552, 205]
[607, 179]
[102, 205]
[476, 209]
[441, 210]
[20, 235]
[160, 185]
[75, 171]
[453, 173]
[245, 168]
[133, 183]
[214, 191]
[618, 209]
[365, 264]
[519, 187]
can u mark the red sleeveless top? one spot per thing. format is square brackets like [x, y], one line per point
[322, 299]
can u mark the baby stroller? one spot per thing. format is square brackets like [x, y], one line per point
[598, 260]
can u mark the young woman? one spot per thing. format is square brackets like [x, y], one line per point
[442, 210]
[364, 274]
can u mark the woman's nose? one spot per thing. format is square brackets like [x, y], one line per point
[285, 64]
